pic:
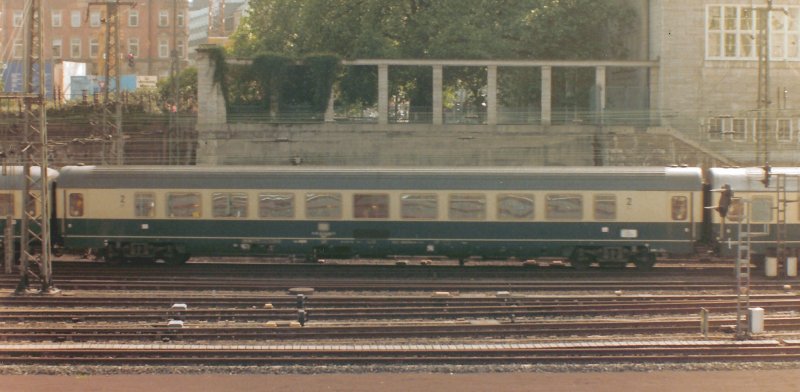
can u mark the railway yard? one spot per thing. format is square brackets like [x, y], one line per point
[206, 317]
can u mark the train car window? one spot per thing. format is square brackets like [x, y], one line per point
[144, 204]
[324, 205]
[761, 209]
[370, 206]
[419, 206]
[229, 204]
[679, 207]
[605, 207]
[276, 205]
[735, 210]
[515, 207]
[76, 204]
[564, 206]
[6, 204]
[467, 206]
[183, 205]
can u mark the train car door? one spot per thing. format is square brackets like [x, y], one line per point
[682, 218]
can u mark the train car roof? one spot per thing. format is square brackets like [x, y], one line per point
[750, 178]
[11, 176]
[303, 177]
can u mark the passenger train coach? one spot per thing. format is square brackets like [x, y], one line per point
[605, 215]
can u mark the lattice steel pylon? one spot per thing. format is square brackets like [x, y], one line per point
[111, 119]
[762, 121]
[35, 222]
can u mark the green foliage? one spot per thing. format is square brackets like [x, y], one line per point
[322, 71]
[271, 73]
[444, 29]
[187, 90]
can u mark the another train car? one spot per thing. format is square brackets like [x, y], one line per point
[12, 187]
[607, 215]
[762, 203]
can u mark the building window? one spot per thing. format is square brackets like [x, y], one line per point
[94, 47]
[739, 129]
[732, 32]
[17, 18]
[564, 206]
[276, 205]
[133, 18]
[183, 205]
[783, 129]
[55, 17]
[75, 48]
[144, 204]
[133, 46]
[180, 48]
[418, 206]
[75, 18]
[57, 48]
[163, 48]
[18, 48]
[515, 207]
[94, 19]
[716, 128]
[467, 206]
[370, 206]
[229, 204]
[163, 18]
[180, 19]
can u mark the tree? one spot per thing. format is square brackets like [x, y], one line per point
[444, 29]
[187, 93]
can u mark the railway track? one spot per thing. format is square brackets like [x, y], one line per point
[366, 308]
[440, 354]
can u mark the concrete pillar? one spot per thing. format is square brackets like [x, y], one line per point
[600, 85]
[329, 113]
[210, 101]
[547, 95]
[655, 96]
[491, 95]
[438, 103]
[383, 94]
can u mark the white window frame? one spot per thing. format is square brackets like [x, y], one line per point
[94, 19]
[18, 48]
[740, 136]
[94, 47]
[133, 46]
[18, 18]
[180, 19]
[163, 18]
[133, 18]
[75, 48]
[75, 18]
[717, 127]
[55, 18]
[163, 48]
[783, 130]
[57, 48]
[736, 37]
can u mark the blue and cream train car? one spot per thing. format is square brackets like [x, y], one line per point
[760, 202]
[12, 187]
[608, 215]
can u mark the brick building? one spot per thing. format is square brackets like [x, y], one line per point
[74, 30]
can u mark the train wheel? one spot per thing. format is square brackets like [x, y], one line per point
[580, 260]
[645, 261]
